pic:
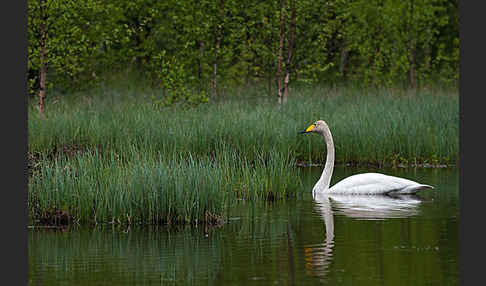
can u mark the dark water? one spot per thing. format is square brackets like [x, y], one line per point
[345, 241]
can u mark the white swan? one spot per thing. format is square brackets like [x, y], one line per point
[367, 183]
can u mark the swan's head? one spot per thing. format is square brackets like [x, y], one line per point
[317, 127]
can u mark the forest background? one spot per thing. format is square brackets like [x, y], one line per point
[196, 50]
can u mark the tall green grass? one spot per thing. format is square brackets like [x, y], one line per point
[140, 189]
[131, 162]
[368, 127]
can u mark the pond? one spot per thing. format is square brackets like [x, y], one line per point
[341, 240]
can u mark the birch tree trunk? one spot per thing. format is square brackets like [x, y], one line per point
[43, 71]
[412, 55]
[219, 36]
[215, 68]
[280, 53]
[290, 50]
[215, 74]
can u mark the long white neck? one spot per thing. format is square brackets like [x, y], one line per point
[323, 184]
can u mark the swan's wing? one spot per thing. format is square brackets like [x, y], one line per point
[411, 189]
[375, 183]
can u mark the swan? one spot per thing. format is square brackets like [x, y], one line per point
[360, 184]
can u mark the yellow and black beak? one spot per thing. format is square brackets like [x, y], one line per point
[309, 129]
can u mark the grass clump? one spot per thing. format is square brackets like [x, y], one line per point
[141, 189]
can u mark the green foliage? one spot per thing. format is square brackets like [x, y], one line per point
[78, 32]
[175, 83]
[379, 37]
[360, 41]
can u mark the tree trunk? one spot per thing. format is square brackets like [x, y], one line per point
[412, 69]
[343, 61]
[215, 69]
[412, 56]
[43, 71]
[375, 67]
[247, 47]
[427, 56]
[269, 84]
[267, 62]
[199, 61]
[219, 32]
[290, 49]
[280, 53]
[215, 74]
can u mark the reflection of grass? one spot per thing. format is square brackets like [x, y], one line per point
[223, 255]
[110, 155]
[141, 256]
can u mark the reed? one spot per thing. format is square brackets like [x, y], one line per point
[141, 189]
[112, 156]
[379, 127]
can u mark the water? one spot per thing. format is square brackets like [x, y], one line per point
[342, 241]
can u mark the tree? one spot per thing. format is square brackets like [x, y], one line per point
[289, 50]
[73, 44]
[66, 40]
[43, 71]
[280, 51]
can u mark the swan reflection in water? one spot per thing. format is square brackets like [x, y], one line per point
[365, 207]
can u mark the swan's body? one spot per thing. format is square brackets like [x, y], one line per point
[376, 183]
[360, 184]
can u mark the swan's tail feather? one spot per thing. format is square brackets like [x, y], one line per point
[412, 189]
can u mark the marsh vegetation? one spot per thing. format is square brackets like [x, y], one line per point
[111, 155]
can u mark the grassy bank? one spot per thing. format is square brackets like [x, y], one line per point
[109, 155]
[98, 188]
